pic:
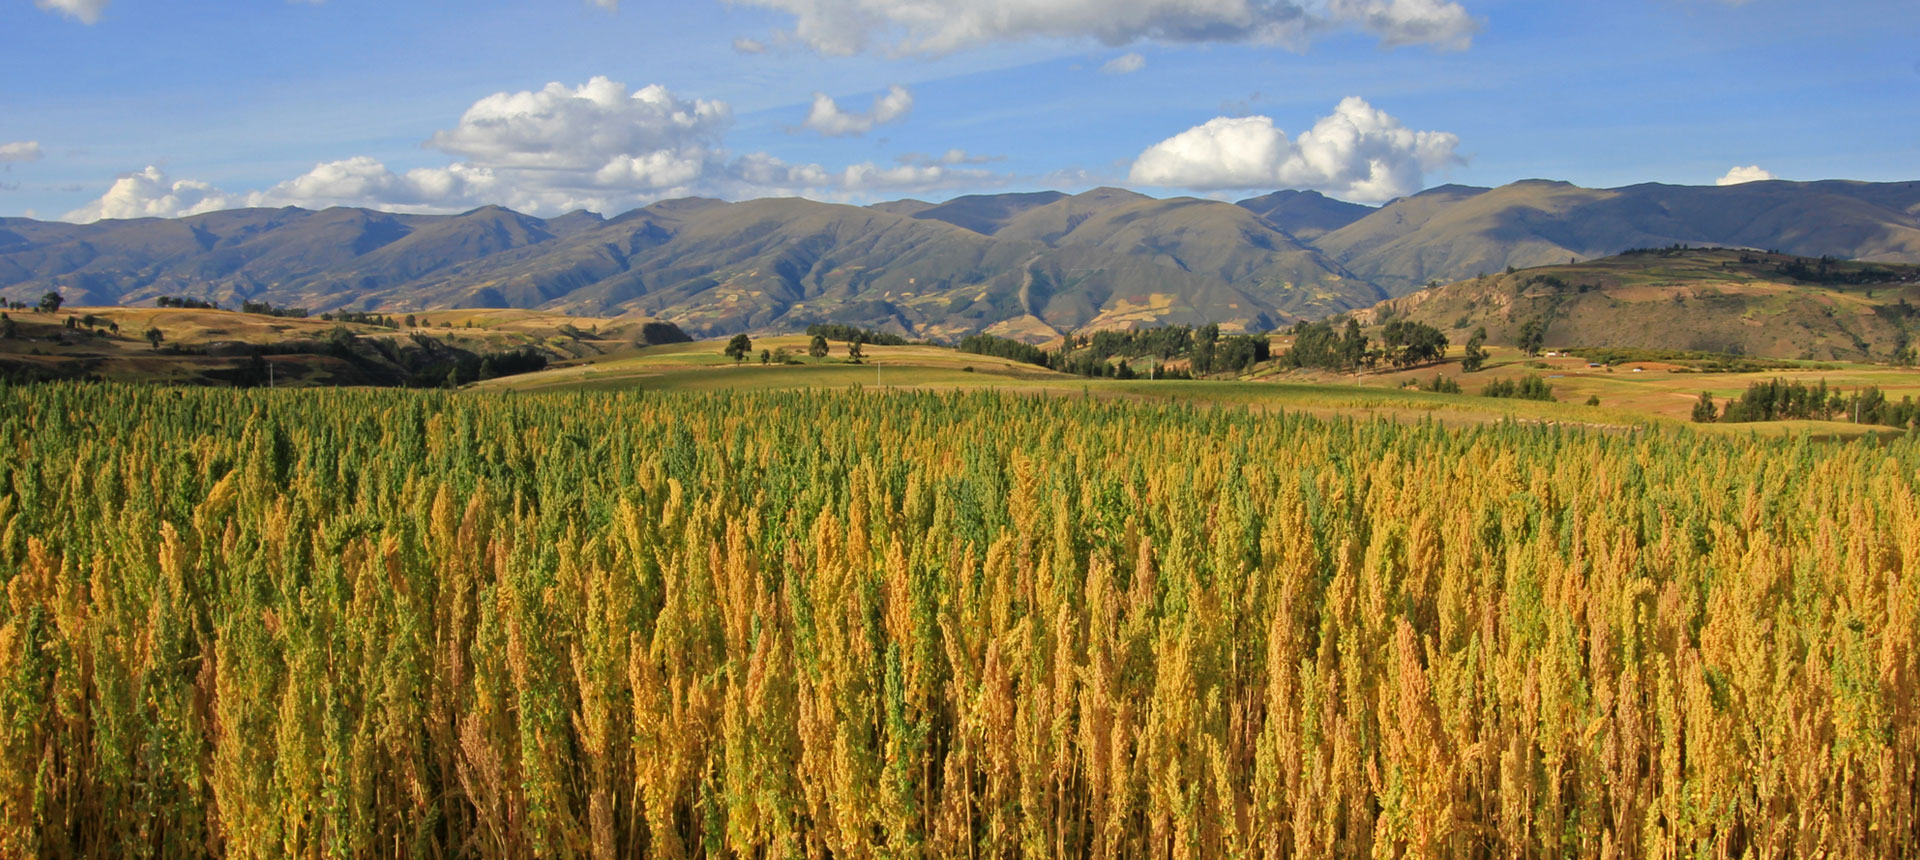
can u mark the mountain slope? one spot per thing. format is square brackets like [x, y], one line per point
[986, 213]
[1305, 215]
[1032, 265]
[1450, 233]
[1201, 237]
[1720, 301]
[716, 267]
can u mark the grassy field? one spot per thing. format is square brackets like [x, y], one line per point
[1631, 394]
[202, 347]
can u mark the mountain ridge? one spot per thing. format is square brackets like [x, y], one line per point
[1030, 264]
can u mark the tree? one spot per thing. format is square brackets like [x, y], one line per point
[8, 330]
[818, 347]
[409, 320]
[1410, 343]
[766, 357]
[1533, 336]
[1353, 345]
[1476, 356]
[854, 352]
[50, 303]
[738, 347]
[1704, 412]
[154, 337]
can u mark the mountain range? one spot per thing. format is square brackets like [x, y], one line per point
[1026, 265]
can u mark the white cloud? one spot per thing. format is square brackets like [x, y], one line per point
[84, 11]
[908, 177]
[1439, 23]
[1740, 175]
[584, 128]
[597, 146]
[941, 26]
[1358, 153]
[24, 150]
[362, 180]
[749, 46]
[1125, 64]
[961, 156]
[150, 194]
[827, 118]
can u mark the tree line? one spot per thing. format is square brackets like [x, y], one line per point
[1403, 344]
[1780, 400]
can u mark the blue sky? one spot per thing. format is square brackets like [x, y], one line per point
[119, 108]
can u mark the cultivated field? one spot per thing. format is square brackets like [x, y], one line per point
[679, 624]
[1632, 394]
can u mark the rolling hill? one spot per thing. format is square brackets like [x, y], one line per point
[194, 346]
[1027, 265]
[1707, 300]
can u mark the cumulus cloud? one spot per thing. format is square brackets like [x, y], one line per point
[940, 26]
[868, 176]
[827, 118]
[355, 181]
[1125, 64]
[84, 11]
[1357, 153]
[598, 146]
[583, 128]
[151, 194]
[749, 46]
[1740, 175]
[23, 150]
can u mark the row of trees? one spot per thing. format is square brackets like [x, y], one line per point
[849, 334]
[185, 302]
[361, 318]
[1832, 270]
[1007, 348]
[1403, 344]
[399, 624]
[741, 345]
[1528, 387]
[1780, 400]
[269, 309]
[1111, 354]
